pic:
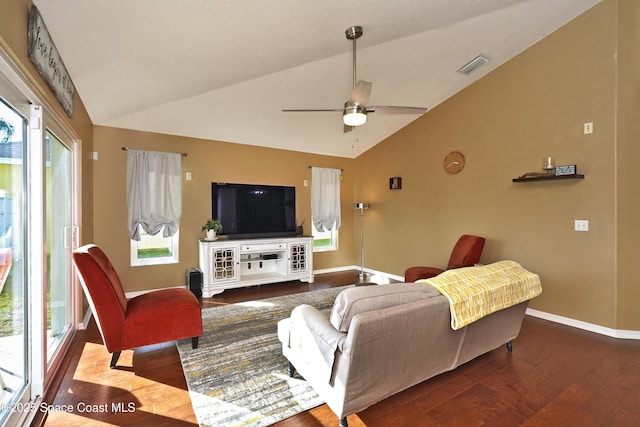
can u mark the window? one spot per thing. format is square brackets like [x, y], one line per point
[154, 249]
[325, 208]
[154, 199]
[324, 241]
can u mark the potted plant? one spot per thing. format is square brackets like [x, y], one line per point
[211, 227]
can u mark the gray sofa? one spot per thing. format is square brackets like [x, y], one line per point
[379, 340]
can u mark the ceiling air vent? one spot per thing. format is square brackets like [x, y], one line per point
[472, 65]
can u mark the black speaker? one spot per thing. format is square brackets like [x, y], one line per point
[194, 281]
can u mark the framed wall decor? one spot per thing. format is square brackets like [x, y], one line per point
[395, 183]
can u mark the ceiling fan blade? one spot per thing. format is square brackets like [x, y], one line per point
[361, 92]
[388, 109]
[313, 110]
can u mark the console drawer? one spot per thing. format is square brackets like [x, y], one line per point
[262, 247]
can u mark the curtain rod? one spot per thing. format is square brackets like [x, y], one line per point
[341, 170]
[182, 154]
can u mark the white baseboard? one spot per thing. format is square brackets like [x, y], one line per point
[335, 269]
[614, 333]
[85, 321]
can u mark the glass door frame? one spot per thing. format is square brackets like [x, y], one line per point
[75, 297]
[14, 98]
[43, 367]
[42, 117]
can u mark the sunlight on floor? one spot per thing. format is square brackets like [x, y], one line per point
[11, 365]
[324, 416]
[255, 304]
[114, 393]
[203, 404]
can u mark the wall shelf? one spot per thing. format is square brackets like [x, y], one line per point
[549, 178]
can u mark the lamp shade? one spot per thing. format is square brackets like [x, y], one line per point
[354, 115]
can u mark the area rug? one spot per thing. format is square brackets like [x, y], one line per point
[238, 375]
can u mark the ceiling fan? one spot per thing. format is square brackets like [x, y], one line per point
[356, 108]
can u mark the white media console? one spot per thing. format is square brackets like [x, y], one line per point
[228, 264]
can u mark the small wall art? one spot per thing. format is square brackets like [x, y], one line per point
[395, 183]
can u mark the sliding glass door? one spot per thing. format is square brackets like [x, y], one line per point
[14, 307]
[59, 240]
[39, 199]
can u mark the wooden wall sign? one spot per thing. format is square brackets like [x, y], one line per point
[44, 55]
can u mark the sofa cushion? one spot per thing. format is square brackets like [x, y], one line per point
[361, 299]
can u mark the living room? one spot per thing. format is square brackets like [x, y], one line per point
[532, 106]
[504, 124]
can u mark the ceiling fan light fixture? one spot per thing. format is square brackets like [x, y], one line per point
[354, 115]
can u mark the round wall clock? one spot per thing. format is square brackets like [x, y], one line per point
[453, 162]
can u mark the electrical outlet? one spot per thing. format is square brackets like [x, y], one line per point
[581, 225]
[188, 176]
[588, 128]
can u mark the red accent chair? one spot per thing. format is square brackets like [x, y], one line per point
[466, 253]
[151, 318]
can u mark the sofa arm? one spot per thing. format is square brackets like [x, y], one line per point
[311, 340]
[306, 319]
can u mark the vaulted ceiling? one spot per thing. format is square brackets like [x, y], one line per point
[223, 70]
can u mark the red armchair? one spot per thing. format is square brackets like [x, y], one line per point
[466, 253]
[151, 318]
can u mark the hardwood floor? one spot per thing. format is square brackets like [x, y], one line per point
[556, 376]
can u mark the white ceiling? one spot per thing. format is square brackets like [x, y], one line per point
[224, 70]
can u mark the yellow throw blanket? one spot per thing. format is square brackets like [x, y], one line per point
[474, 292]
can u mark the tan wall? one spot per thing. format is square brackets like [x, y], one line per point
[208, 161]
[533, 106]
[627, 155]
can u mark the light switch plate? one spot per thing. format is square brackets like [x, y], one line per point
[581, 225]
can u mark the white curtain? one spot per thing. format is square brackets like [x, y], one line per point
[154, 192]
[325, 198]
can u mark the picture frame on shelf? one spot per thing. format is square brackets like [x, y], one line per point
[566, 170]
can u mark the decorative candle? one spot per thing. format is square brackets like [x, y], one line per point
[547, 163]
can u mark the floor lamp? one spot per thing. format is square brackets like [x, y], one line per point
[362, 207]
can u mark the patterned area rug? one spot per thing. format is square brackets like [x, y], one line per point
[238, 375]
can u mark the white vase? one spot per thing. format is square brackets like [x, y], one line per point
[211, 234]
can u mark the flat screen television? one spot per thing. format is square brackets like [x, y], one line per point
[249, 211]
